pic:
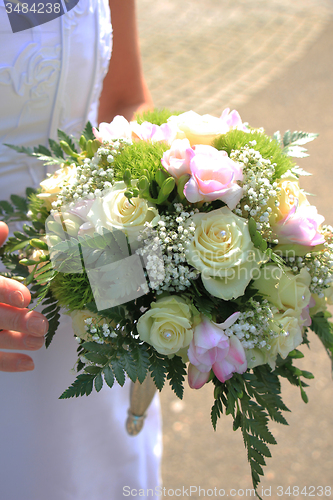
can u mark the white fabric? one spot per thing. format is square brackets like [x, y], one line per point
[51, 77]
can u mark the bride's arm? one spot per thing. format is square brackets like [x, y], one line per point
[20, 328]
[124, 90]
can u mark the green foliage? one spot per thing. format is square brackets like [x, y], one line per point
[292, 142]
[88, 132]
[157, 367]
[39, 212]
[324, 329]
[56, 149]
[62, 136]
[83, 385]
[40, 152]
[268, 148]
[252, 399]
[285, 368]
[257, 240]
[140, 157]
[52, 312]
[72, 291]
[157, 116]
[176, 375]
[12, 263]
[110, 361]
[17, 208]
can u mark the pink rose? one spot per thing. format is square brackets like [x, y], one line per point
[233, 120]
[214, 177]
[150, 132]
[119, 128]
[305, 318]
[177, 159]
[300, 226]
[212, 349]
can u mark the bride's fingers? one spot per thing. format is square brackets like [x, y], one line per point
[19, 341]
[22, 320]
[13, 293]
[3, 233]
[15, 362]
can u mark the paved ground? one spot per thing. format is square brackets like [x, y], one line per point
[273, 60]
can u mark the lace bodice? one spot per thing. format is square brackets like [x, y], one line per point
[46, 73]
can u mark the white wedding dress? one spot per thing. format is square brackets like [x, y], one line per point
[50, 449]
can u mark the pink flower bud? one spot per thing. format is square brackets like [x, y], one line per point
[177, 159]
[196, 379]
[119, 128]
[211, 349]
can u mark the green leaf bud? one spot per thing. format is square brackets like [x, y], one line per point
[95, 145]
[38, 244]
[89, 149]
[166, 189]
[82, 142]
[143, 186]
[181, 184]
[27, 262]
[67, 149]
[127, 177]
[160, 176]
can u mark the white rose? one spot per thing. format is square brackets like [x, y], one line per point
[167, 325]
[114, 211]
[289, 336]
[256, 357]
[223, 252]
[51, 187]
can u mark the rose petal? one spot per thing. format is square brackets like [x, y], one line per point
[196, 379]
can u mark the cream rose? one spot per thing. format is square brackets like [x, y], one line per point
[320, 304]
[285, 290]
[114, 211]
[78, 322]
[256, 357]
[167, 325]
[203, 129]
[223, 252]
[288, 336]
[51, 187]
[198, 129]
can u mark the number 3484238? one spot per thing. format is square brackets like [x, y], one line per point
[306, 491]
[35, 8]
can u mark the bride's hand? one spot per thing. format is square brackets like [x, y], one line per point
[20, 329]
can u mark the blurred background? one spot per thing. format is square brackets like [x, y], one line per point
[272, 60]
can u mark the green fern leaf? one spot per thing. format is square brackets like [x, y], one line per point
[108, 376]
[157, 368]
[83, 384]
[56, 148]
[62, 136]
[176, 375]
[118, 370]
[98, 382]
[88, 132]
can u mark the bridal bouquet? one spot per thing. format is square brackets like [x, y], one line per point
[181, 245]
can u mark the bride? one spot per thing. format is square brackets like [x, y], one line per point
[51, 76]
